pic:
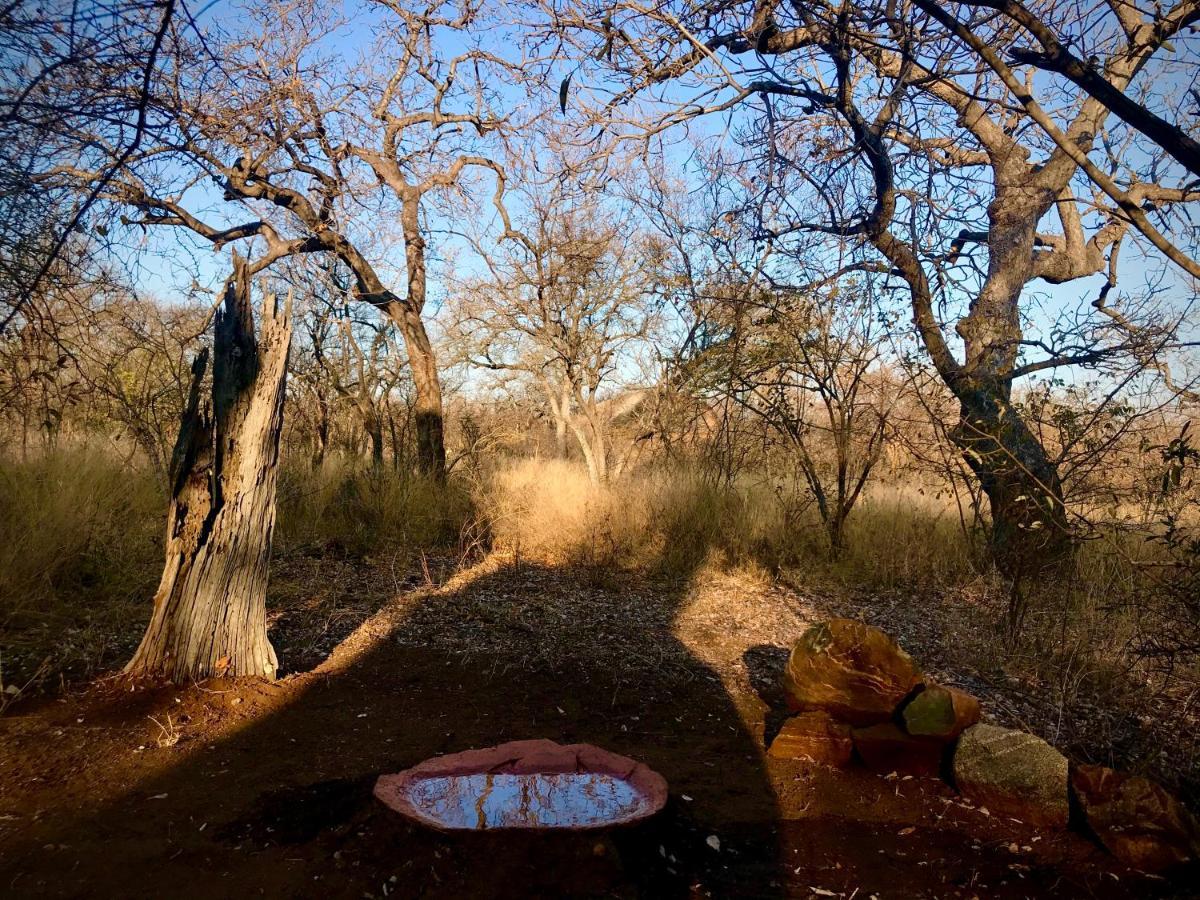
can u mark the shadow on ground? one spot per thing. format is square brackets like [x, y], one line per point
[283, 806]
[268, 793]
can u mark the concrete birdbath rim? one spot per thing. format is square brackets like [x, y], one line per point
[574, 787]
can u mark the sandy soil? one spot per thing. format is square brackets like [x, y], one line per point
[226, 789]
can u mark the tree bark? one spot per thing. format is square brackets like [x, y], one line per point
[836, 529]
[1030, 530]
[209, 614]
[374, 426]
[595, 475]
[322, 433]
[427, 385]
[428, 416]
[560, 407]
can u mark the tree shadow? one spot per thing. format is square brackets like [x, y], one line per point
[283, 807]
[764, 665]
[280, 803]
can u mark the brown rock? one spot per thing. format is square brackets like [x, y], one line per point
[1013, 774]
[850, 670]
[815, 736]
[1136, 820]
[941, 712]
[886, 748]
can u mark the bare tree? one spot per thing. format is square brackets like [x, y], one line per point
[813, 368]
[867, 122]
[353, 360]
[1051, 39]
[301, 156]
[70, 72]
[567, 303]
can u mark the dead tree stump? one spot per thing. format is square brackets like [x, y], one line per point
[209, 613]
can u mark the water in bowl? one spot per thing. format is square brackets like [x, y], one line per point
[540, 800]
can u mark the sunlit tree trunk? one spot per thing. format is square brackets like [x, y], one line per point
[209, 615]
[561, 408]
[594, 464]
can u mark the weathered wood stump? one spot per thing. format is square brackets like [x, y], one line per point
[209, 613]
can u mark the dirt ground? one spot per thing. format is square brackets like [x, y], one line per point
[226, 789]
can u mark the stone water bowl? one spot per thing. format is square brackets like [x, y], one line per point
[533, 785]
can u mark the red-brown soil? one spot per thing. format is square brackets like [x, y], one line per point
[249, 789]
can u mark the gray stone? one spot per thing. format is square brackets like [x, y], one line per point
[1013, 774]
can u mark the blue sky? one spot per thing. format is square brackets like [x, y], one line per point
[171, 261]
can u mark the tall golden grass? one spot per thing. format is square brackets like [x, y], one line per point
[81, 541]
[80, 553]
[674, 520]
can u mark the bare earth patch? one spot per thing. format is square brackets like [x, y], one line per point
[232, 788]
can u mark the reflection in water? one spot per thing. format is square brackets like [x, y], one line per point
[567, 800]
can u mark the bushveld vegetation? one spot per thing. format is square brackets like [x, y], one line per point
[778, 396]
[891, 304]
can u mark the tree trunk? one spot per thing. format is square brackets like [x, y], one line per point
[209, 613]
[1030, 530]
[427, 406]
[595, 472]
[322, 433]
[562, 412]
[427, 385]
[376, 443]
[395, 438]
[373, 425]
[836, 529]
[560, 437]
[559, 400]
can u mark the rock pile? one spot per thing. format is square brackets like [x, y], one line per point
[857, 696]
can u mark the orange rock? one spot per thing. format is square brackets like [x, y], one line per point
[815, 736]
[886, 748]
[1135, 819]
[850, 670]
[941, 712]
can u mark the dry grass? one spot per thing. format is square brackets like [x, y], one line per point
[1074, 675]
[675, 521]
[81, 550]
[80, 553]
[548, 511]
[356, 511]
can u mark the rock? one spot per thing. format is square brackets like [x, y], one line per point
[886, 748]
[1136, 820]
[1013, 774]
[850, 670]
[941, 712]
[815, 736]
